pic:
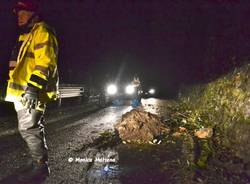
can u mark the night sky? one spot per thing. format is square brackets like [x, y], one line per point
[168, 44]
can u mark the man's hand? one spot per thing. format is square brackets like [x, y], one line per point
[30, 98]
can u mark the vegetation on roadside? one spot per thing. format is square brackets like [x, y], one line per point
[224, 106]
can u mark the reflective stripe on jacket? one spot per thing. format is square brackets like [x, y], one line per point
[36, 65]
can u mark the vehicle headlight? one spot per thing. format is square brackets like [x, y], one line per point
[112, 89]
[151, 91]
[130, 89]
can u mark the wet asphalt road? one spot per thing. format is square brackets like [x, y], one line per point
[64, 138]
[74, 160]
[67, 141]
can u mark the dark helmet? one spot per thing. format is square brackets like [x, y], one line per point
[29, 5]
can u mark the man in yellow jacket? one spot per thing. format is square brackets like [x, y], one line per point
[33, 81]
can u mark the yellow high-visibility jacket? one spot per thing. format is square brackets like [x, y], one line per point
[36, 65]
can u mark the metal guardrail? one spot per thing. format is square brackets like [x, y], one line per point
[70, 91]
[94, 98]
[75, 91]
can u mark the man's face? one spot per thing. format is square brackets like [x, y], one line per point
[23, 17]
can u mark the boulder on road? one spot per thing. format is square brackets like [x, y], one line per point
[140, 126]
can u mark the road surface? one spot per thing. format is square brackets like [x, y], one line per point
[75, 157]
[65, 139]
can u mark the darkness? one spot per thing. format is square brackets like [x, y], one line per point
[168, 44]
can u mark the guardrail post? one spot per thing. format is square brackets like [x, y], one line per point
[79, 100]
[59, 102]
